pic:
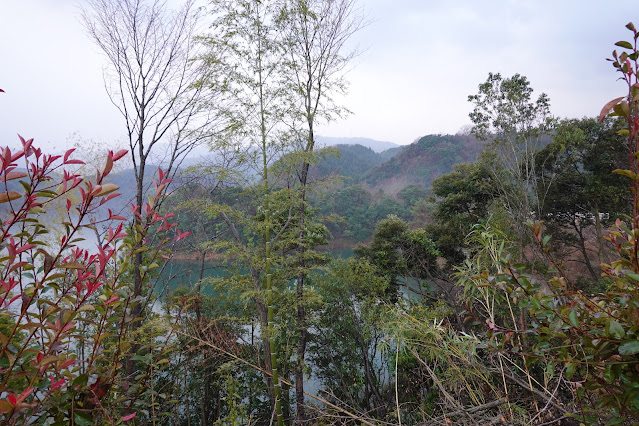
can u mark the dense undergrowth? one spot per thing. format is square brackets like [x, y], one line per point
[475, 318]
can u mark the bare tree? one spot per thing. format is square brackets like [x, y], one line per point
[150, 79]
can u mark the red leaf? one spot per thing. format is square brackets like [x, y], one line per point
[111, 300]
[25, 393]
[68, 327]
[121, 153]
[25, 247]
[129, 417]
[17, 156]
[1, 90]
[67, 154]
[95, 190]
[26, 146]
[606, 109]
[181, 235]
[17, 265]
[67, 363]
[108, 165]
[14, 175]
[57, 385]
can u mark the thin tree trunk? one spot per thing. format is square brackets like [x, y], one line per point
[138, 259]
[598, 230]
[301, 311]
[263, 315]
[301, 348]
[198, 289]
[369, 378]
[584, 252]
[269, 343]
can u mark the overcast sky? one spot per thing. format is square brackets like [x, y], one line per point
[421, 59]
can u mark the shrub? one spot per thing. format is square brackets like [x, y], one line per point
[66, 310]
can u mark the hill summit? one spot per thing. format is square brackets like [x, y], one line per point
[375, 145]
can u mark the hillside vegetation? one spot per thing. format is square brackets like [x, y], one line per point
[423, 161]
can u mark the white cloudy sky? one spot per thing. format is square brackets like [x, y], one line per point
[421, 60]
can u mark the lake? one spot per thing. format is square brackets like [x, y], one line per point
[187, 272]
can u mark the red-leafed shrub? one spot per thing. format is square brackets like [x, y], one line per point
[65, 310]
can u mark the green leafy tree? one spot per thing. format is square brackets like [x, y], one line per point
[584, 195]
[461, 199]
[515, 124]
[349, 162]
[348, 332]
[588, 343]
[412, 194]
[350, 203]
[400, 254]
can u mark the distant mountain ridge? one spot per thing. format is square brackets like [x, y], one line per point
[375, 145]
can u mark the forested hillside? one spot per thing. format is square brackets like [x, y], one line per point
[422, 161]
[349, 161]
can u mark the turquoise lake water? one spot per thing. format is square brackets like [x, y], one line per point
[187, 272]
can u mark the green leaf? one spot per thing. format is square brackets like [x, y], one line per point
[615, 330]
[55, 276]
[615, 421]
[573, 319]
[608, 375]
[82, 419]
[86, 307]
[624, 44]
[629, 347]
[72, 265]
[570, 370]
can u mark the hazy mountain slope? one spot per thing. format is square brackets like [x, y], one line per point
[391, 152]
[422, 161]
[375, 145]
[352, 161]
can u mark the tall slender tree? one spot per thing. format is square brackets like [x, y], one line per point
[243, 60]
[316, 35]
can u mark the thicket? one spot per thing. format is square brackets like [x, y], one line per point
[472, 318]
